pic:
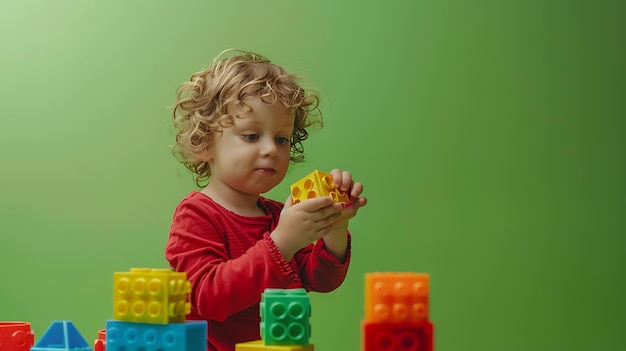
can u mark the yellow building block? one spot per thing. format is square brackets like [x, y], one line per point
[396, 297]
[317, 184]
[157, 296]
[258, 345]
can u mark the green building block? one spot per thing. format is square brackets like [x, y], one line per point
[285, 317]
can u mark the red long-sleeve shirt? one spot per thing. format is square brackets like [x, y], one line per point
[230, 259]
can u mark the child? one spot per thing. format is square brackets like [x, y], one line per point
[239, 124]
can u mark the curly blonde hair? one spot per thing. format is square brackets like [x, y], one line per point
[214, 96]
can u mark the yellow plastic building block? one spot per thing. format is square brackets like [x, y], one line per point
[396, 297]
[258, 345]
[317, 184]
[146, 295]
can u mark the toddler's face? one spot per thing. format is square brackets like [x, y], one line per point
[252, 155]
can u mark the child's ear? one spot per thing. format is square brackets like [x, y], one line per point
[206, 155]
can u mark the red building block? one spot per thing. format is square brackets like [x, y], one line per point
[406, 336]
[16, 336]
[101, 342]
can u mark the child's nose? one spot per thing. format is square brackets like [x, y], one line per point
[269, 147]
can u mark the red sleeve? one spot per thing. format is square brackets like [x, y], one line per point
[319, 269]
[230, 261]
[222, 286]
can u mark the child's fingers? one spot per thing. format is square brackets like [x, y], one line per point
[289, 202]
[362, 201]
[357, 189]
[341, 179]
[312, 205]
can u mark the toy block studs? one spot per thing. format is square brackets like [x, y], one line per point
[403, 336]
[285, 317]
[396, 297]
[317, 184]
[130, 336]
[150, 296]
[16, 336]
[397, 312]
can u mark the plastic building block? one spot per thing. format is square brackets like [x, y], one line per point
[396, 297]
[129, 336]
[61, 336]
[285, 317]
[101, 342]
[16, 336]
[150, 296]
[258, 345]
[408, 336]
[317, 184]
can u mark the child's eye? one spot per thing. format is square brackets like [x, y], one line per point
[251, 137]
[282, 141]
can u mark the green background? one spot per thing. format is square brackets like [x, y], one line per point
[489, 135]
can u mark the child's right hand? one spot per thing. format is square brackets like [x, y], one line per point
[304, 223]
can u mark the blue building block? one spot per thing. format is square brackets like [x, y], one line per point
[129, 336]
[61, 336]
[285, 317]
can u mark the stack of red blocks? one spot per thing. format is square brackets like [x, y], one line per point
[397, 312]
